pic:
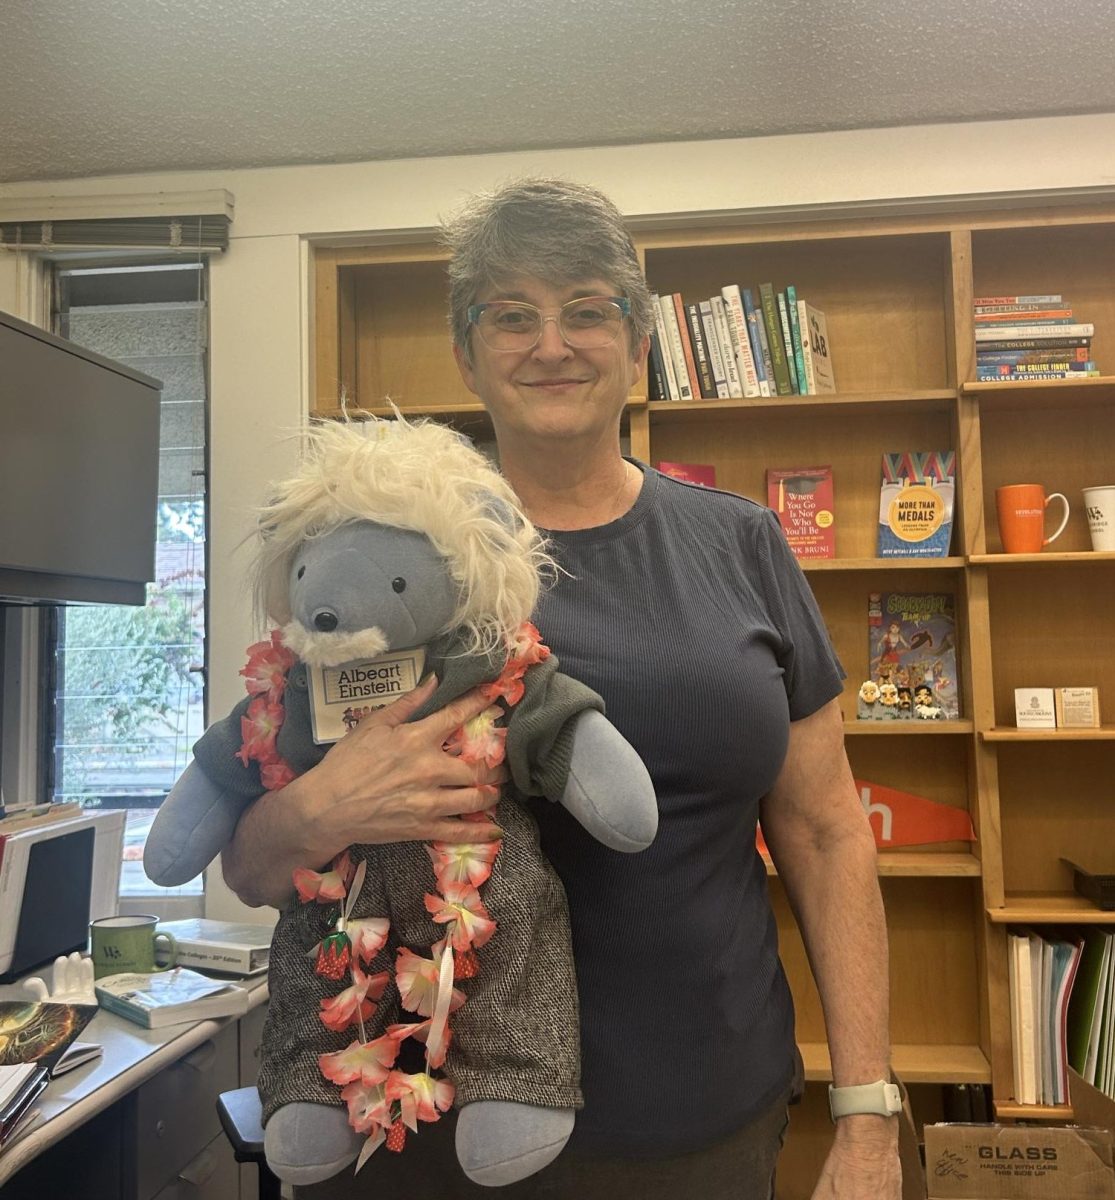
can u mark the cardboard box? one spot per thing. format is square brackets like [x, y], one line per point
[1019, 1162]
[1027, 1162]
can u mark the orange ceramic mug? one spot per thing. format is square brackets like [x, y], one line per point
[1021, 509]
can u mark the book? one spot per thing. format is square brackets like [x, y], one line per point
[77, 1054]
[795, 335]
[916, 501]
[1049, 329]
[758, 343]
[667, 358]
[714, 350]
[688, 363]
[772, 326]
[1023, 1020]
[741, 339]
[986, 301]
[806, 350]
[984, 310]
[1013, 316]
[40, 1031]
[1012, 358]
[1031, 376]
[169, 997]
[787, 342]
[657, 388]
[706, 387]
[1051, 342]
[728, 347]
[802, 497]
[1067, 952]
[673, 344]
[20, 1086]
[820, 352]
[230, 946]
[912, 648]
[701, 474]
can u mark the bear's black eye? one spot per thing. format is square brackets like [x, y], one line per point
[399, 583]
[301, 572]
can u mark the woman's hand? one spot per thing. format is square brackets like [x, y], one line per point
[391, 781]
[387, 781]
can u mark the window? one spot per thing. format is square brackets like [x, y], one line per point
[128, 683]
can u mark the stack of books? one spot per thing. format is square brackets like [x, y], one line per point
[736, 345]
[1042, 969]
[1020, 338]
[1091, 1026]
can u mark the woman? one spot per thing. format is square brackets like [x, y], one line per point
[684, 608]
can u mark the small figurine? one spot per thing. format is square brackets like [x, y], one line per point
[867, 700]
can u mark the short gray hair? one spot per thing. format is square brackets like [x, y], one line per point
[550, 229]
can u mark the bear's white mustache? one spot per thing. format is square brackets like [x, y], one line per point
[318, 649]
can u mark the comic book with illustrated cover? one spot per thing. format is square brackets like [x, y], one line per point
[912, 657]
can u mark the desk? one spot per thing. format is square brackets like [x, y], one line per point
[132, 1057]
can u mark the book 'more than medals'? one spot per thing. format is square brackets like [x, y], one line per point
[916, 504]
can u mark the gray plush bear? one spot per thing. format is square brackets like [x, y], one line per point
[397, 537]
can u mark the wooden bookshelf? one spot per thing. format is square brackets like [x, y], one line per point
[897, 293]
[925, 1063]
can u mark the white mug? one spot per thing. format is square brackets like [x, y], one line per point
[1099, 506]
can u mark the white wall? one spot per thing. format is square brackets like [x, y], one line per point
[259, 302]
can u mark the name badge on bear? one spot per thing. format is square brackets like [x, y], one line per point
[341, 697]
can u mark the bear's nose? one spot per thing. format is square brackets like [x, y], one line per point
[325, 621]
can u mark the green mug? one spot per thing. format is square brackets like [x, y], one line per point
[128, 944]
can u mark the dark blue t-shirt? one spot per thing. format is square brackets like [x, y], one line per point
[692, 619]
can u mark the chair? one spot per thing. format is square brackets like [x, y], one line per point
[240, 1112]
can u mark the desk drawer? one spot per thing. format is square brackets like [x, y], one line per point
[173, 1116]
[213, 1175]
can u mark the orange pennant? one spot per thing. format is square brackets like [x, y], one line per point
[903, 819]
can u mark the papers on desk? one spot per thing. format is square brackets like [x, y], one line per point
[20, 1086]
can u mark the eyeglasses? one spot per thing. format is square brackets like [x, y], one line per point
[585, 324]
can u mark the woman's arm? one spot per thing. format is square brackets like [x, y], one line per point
[387, 781]
[822, 845]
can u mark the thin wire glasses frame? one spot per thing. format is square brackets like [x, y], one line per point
[585, 323]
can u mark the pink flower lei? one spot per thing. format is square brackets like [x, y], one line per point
[382, 1101]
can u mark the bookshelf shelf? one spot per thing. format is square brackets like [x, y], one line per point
[1105, 733]
[874, 565]
[908, 728]
[1049, 908]
[913, 864]
[1042, 394]
[1048, 559]
[914, 400]
[913, 1063]
[1010, 1111]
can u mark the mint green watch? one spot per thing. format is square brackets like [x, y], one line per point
[880, 1098]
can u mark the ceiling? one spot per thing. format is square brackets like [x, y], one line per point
[94, 87]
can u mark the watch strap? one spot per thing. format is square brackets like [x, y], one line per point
[880, 1098]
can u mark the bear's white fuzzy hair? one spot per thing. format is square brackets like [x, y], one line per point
[412, 475]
